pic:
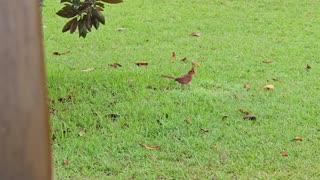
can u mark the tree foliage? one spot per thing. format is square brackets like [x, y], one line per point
[83, 15]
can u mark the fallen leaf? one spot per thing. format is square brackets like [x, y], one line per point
[267, 61]
[269, 87]
[183, 59]
[276, 79]
[308, 67]
[284, 153]
[173, 55]
[224, 117]
[141, 63]
[58, 53]
[81, 133]
[115, 65]
[246, 86]
[196, 34]
[120, 29]
[187, 120]
[204, 130]
[68, 98]
[66, 161]
[224, 155]
[250, 117]
[244, 111]
[149, 147]
[194, 63]
[88, 70]
[297, 138]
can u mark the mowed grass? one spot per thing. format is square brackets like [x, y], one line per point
[114, 110]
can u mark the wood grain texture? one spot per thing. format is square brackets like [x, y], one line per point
[24, 127]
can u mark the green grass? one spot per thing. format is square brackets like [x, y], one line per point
[236, 37]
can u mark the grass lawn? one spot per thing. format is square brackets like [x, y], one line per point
[99, 117]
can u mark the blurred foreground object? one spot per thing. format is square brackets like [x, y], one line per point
[24, 126]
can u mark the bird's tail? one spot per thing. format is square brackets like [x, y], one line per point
[170, 77]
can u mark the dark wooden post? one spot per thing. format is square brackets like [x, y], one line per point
[24, 126]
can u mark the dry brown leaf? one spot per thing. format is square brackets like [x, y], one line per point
[66, 161]
[150, 147]
[276, 79]
[194, 63]
[297, 138]
[308, 67]
[142, 63]
[244, 111]
[115, 65]
[81, 133]
[173, 55]
[267, 61]
[183, 59]
[88, 70]
[120, 29]
[204, 130]
[246, 86]
[224, 155]
[58, 53]
[187, 120]
[196, 34]
[284, 153]
[269, 87]
[250, 117]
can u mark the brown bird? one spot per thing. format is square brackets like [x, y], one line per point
[184, 79]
